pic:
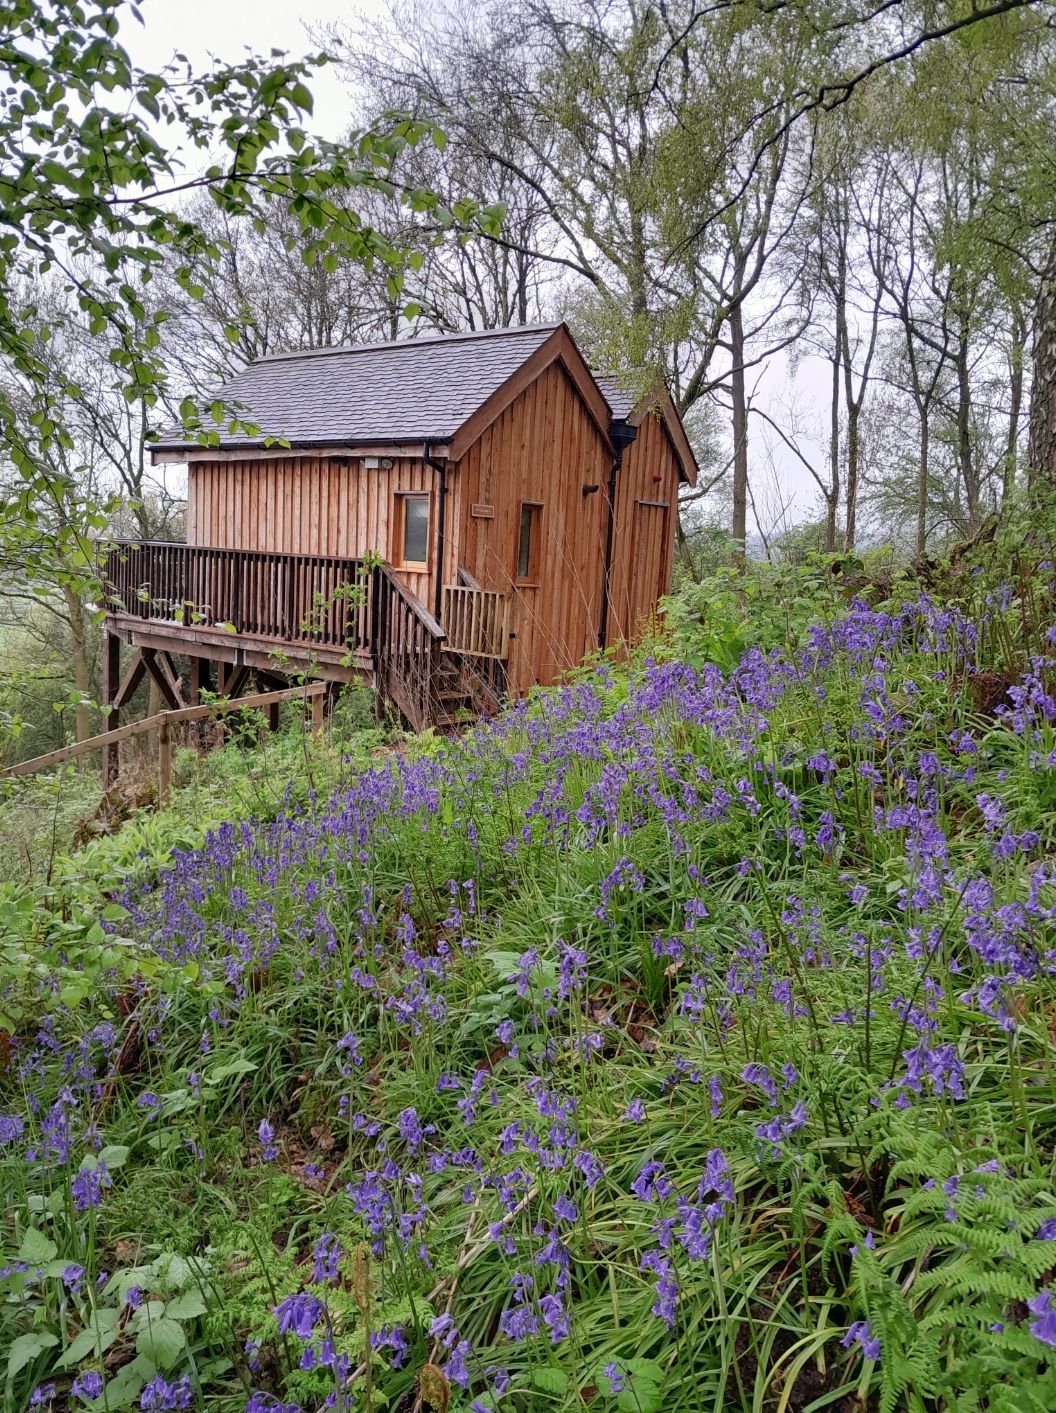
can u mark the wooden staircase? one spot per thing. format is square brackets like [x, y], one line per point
[433, 680]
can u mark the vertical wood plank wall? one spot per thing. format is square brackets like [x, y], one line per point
[314, 505]
[641, 564]
[544, 447]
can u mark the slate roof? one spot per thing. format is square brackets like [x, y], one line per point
[624, 404]
[412, 390]
[621, 402]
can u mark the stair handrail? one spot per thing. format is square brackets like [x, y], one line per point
[405, 670]
[413, 602]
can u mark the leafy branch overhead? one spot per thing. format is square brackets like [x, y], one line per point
[97, 160]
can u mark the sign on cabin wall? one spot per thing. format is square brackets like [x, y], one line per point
[482, 512]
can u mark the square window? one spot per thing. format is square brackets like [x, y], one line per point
[413, 529]
[528, 538]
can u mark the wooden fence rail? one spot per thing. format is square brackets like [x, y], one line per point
[163, 721]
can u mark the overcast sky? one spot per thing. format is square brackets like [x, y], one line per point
[228, 28]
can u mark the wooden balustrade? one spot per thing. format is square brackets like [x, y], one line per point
[408, 643]
[284, 598]
[477, 621]
[431, 673]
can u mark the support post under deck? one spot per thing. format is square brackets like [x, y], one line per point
[265, 684]
[111, 682]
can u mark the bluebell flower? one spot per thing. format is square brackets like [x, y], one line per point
[299, 1314]
[87, 1187]
[268, 1147]
[158, 1396]
[326, 1254]
[88, 1384]
[1043, 1326]
[860, 1334]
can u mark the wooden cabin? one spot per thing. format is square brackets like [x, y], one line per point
[457, 518]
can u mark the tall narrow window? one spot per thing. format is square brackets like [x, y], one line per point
[528, 541]
[412, 530]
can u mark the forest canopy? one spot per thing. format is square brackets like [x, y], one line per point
[830, 228]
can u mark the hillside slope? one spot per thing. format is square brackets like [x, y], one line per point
[677, 1040]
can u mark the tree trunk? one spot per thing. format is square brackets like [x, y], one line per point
[1041, 456]
[832, 500]
[683, 547]
[853, 405]
[854, 410]
[922, 482]
[81, 674]
[1015, 372]
[740, 434]
[964, 427]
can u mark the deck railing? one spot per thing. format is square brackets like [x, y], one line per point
[408, 646]
[477, 621]
[284, 598]
[334, 603]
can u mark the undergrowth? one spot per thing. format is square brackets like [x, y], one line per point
[681, 1039]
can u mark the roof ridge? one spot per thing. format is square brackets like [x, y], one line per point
[377, 345]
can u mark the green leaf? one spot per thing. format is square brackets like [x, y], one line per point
[187, 1306]
[125, 1387]
[643, 1391]
[174, 1271]
[95, 1339]
[37, 1248]
[161, 1341]
[26, 1348]
[232, 1069]
[550, 1380]
[77, 991]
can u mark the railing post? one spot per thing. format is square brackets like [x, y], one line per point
[375, 610]
[111, 679]
[236, 590]
[164, 760]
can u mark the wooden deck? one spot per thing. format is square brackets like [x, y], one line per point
[234, 614]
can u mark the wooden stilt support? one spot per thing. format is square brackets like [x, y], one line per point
[134, 674]
[164, 760]
[271, 681]
[160, 667]
[111, 673]
[197, 678]
[231, 678]
[264, 682]
[317, 714]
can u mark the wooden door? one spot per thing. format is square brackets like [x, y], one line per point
[651, 528]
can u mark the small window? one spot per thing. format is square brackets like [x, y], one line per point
[413, 529]
[528, 541]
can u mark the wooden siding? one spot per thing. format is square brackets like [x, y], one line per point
[314, 505]
[643, 538]
[543, 448]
